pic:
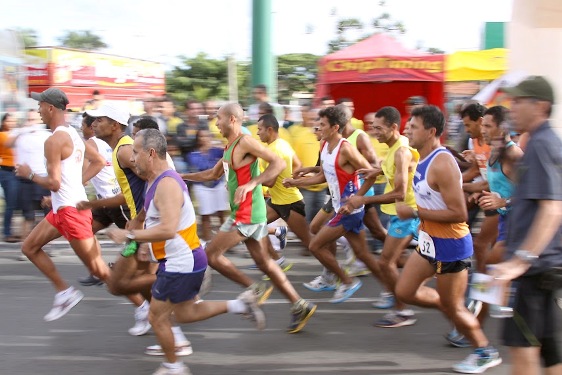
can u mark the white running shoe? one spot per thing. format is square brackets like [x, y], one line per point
[182, 349]
[321, 283]
[142, 326]
[163, 370]
[63, 303]
[254, 312]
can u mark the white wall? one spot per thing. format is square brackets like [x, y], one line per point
[535, 44]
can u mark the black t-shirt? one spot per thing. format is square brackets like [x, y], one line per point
[539, 178]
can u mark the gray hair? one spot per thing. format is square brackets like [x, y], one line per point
[153, 138]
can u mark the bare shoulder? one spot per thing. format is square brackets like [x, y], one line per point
[445, 164]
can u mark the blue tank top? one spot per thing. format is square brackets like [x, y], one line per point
[499, 182]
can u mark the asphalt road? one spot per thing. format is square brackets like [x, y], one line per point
[93, 339]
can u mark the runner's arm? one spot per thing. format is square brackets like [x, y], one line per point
[53, 155]
[208, 175]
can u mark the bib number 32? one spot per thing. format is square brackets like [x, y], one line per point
[425, 243]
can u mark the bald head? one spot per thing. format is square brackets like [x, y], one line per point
[233, 109]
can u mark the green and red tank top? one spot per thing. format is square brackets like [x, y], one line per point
[252, 209]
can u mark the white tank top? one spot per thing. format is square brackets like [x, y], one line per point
[340, 183]
[71, 190]
[426, 197]
[105, 181]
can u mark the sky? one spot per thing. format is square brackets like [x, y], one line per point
[162, 30]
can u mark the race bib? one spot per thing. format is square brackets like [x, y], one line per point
[225, 167]
[425, 244]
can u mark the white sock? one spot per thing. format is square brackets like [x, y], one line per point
[236, 306]
[63, 293]
[173, 366]
[144, 305]
[178, 334]
[278, 231]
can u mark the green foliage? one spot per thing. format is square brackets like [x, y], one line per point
[27, 36]
[203, 78]
[296, 73]
[83, 39]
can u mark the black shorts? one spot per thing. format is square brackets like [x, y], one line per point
[368, 206]
[328, 207]
[284, 210]
[538, 309]
[489, 213]
[447, 267]
[109, 215]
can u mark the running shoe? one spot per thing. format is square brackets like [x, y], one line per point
[63, 303]
[142, 325]
[262, 290]
[300, 313]
[90, 280]
[345, 291]
[356, 269]
[320, 284]
[182, 349]
[479, 361]
[395, 320]
[163, 370]
[282, 237]
[457, 339]
[254, 312]
[385, 300]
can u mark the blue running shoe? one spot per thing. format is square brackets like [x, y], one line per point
[395, 320]
[384, 301]
[282, 237]
[457, 339]
[479, 361]
[345, 291]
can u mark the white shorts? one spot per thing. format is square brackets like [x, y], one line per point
[211, 200]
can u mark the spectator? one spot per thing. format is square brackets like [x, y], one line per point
[8, 179]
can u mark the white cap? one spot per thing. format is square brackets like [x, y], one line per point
[113, 111]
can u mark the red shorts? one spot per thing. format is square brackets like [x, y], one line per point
[71, 223]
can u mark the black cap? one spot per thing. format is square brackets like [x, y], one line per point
[415, 100]
[532, 87]
[53, 96]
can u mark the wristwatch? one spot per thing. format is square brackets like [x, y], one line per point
[508, 202]
[526, 256]
[131, 236]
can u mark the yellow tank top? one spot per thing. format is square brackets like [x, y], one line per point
[280, 194]
[389, 169]
[132, 186]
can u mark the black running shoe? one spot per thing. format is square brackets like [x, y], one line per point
[90, 280]
[300, 313]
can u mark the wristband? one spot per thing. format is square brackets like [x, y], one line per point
[31, 175]
[416, 214]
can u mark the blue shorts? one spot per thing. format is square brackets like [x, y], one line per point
[351, 223]
[176, 287]
[403, 228]
[502, 228]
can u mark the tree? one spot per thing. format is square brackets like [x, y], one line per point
[83, 39]
[203, 78]
[296, 72]
[381, 24]
[27, 36]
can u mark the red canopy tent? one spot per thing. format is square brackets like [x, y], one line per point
[379, 71]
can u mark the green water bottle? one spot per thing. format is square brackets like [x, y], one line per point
[130, 249]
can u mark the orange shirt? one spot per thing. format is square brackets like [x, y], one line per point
[482, 153]
[6, 153]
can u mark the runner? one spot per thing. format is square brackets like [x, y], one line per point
[171, 230]
[445, 243]
[247, 220]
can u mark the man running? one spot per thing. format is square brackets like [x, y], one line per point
[64, 154]
[398, 167]
[445, 243]
[171, 230]
[248, 218]
[339, 163]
